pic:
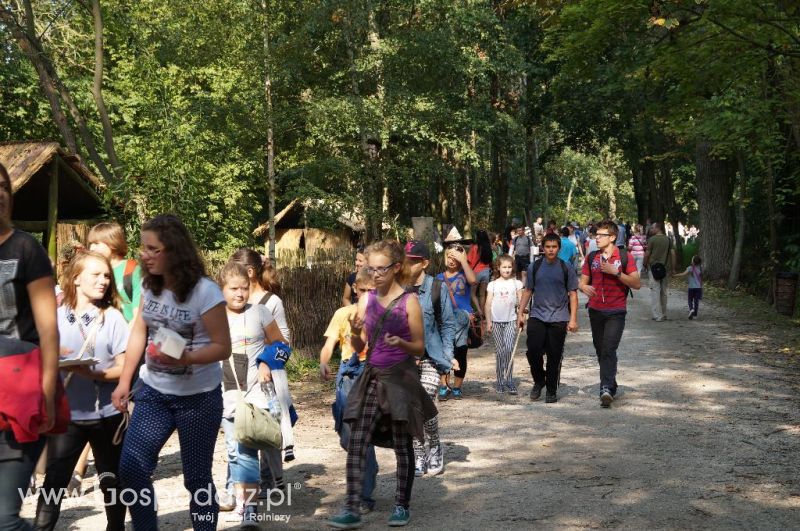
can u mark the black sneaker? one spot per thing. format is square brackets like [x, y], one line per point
[550, 398]
[606, 397]
[536, 392]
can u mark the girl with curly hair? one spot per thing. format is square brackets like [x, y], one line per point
[177, 393]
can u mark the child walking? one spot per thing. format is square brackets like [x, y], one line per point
[502, 296]
[458, 277]
[387, 406]
[695, 278]
[252, 327]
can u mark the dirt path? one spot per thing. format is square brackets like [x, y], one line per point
[705, 433]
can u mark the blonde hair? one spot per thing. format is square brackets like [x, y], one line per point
[499, 260]
[110, 234]
[231, 270]
[75, 268]
[364, 278]
[392, 250]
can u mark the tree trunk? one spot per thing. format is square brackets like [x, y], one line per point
[499, 186]
[572, 184]
[97, 89]
[736, 264]
[42, 60]
[371, 209]
[45, 82]
[713, 198]
[672, 209]
[769, 185]
[270, 147]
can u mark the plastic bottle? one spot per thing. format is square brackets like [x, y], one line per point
[273, 404]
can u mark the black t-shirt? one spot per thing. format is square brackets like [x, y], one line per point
[22, 260]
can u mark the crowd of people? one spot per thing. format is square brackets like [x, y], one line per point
[151, 347]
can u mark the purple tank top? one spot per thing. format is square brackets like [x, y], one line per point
[396, 324]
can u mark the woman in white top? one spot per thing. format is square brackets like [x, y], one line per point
[180, 393]
[91, 327]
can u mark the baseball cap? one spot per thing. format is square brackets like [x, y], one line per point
[417, 249]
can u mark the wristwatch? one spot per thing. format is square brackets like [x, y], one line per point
[619, 273]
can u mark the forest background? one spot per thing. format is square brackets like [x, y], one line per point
[472, 112]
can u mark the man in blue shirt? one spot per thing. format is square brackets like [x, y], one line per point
[554, 312]
[568, 249]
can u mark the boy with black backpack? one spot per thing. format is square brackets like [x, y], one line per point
[606, 278]
[553, 314]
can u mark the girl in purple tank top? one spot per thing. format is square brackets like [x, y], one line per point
[387, 405]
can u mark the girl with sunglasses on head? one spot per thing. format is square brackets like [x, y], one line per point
[459, 277]
[180, 393]
[388, 405]
[92, 327]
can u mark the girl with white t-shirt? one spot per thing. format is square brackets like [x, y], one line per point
[91, 327]
[502, 296]
[264, 290]
[182, 393]
[252, 327]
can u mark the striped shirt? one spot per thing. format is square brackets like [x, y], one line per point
[611, 292]
[637, 245]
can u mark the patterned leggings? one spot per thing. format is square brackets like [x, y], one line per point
[361, 438]
[429, 377]
[504, 335]
[156, 415]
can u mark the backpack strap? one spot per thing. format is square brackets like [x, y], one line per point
[538, 264]
[265, 298]
[436, 300]
[127, 278]
[591, 258]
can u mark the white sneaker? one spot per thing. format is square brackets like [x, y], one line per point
[420, 466]
[436, 460]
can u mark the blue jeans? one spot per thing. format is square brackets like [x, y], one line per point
[154, 418]
[16, 474]
[370, 463]
[243, 465]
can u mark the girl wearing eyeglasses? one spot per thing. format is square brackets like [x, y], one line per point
[182, 393]
[388, 405]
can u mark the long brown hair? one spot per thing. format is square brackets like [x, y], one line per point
[182, 257]
[266, 275]
[75, 268]
[112, 234]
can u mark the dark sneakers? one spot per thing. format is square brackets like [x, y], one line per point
[606, 397]
[536, 392]
[550, 398]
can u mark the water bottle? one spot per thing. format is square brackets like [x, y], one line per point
[273, 404]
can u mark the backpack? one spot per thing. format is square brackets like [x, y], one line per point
[623, 256]
[436, 300]
[127, 278]
[534, 267]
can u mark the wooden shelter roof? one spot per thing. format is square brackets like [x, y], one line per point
[348, 219]
[29, 166]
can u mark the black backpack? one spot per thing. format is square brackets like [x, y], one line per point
[623, 257]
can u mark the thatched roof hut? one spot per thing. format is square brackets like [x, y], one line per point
[294, 232]
[50, 186]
